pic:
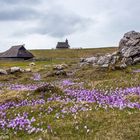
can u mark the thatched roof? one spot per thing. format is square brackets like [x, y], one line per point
[18, 51]
[63, 45]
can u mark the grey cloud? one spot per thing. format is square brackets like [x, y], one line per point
[9, 2]
[60, 25]
[15, 14]
[51, 22]
[126, 18]
[12, 10]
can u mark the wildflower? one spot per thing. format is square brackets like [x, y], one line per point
[36, 77]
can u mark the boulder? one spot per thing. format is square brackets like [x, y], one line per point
[91, 60]
[128, 54]
[16, 69]
[129, 47]
[3, 72]
[104, 59]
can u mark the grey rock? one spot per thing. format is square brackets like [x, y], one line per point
[64, 65]
[128, 54]
[28, 70]
[136, 60]
[32, 64]
[104, 66]
[60, 67]
[131, 51]
[61, 72]
[83, 64]
[15, 69]
[127, 61]
[129, 45]
[123, 66]
[114, 59]
[104, 59]
[3, 72]
[91, 60]
[115, 53]
[120, 66]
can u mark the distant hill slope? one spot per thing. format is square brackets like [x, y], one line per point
[71, 53]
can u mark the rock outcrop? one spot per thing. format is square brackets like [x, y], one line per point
[128, 53]
[129, 48]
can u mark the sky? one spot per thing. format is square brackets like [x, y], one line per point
[40, 24]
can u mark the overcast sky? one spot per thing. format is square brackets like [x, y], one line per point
[40, 24]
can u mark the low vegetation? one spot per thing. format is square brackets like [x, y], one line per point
[86, 104]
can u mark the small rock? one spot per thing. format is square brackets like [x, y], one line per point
[104, 59]
[115, 53]
[15, 69]
[120, 66]
[28, 70]
[64, 65]
[91, 60]
[58, 67]
[3, 72]
[123, 66]
[114, 59]
[136, 60]
[104, 66]
[127, 61]
[82, 60]
[61, 72]
[32, 64]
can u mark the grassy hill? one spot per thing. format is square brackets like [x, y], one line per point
[71, 53]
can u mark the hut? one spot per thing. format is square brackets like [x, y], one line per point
[16, 53]
[63, 45]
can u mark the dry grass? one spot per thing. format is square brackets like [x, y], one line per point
[71, 53]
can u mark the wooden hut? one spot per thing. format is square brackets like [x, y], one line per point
[16, 53]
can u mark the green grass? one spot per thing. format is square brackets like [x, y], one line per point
[110, 124]
[102, 124]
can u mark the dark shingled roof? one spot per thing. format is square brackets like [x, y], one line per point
[18, 51]
[63, 45]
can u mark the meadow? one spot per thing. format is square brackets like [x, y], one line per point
[87, 104]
